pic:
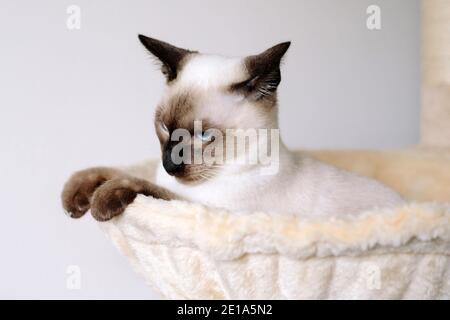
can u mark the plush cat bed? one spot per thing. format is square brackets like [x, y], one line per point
[186, 250]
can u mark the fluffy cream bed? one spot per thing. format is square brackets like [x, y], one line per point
[186, 250]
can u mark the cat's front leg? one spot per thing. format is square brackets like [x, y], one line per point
[113, 197]
[79, 189]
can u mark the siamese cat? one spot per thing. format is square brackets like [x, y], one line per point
[225, 93]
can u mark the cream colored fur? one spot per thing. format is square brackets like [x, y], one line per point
[187, 250]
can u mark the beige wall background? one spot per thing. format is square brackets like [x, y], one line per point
[73, 99]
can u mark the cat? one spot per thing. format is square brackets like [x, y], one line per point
[225, 93]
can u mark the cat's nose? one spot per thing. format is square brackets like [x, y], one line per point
[174, 168]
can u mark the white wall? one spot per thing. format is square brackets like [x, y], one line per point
[73, 99]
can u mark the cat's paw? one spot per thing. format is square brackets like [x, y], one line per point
[79, 189]
[113, 197]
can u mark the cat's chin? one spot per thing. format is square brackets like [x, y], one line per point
[190, 180]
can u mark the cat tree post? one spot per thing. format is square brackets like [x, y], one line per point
[435, 123]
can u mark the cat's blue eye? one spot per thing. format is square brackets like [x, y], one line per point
[203, 135]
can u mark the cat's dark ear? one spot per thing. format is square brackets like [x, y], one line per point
[170, 56]
[264, 73]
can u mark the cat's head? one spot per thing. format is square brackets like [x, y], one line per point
[211, 95]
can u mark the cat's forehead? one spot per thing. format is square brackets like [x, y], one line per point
[186, 105]
[211, 71]
[180, 109]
